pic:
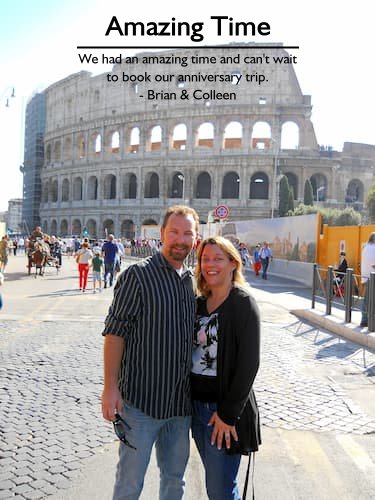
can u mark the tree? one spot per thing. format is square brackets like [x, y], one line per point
[370, 204]
[331, 216]
[291, 199]
[283, 196]
[308, 197]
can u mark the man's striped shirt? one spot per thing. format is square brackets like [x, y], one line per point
[153, 310]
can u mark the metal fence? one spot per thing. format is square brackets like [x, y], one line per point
[343, 290]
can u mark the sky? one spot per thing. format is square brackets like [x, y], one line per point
[38, 43]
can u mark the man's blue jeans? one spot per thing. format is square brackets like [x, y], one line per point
[265, 264]
[109, 268]
[221, 469]
[171, 438]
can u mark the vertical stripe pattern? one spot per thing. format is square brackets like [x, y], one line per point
[153, 310]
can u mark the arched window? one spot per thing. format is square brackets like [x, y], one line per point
[231, 186]
[289, 136]
[233, 135]
[177, 186]
[109, 187]
[57, 152]
[53, 227]
[179, 137]
[203, 190]
[130, 186]
[68, 148]
[259, 186]
[293, 182]
[76, 227]
[48, 153]
[134, 140]
[128, 229]
[108, 227]
[92, 188]
[91, 228]
[261, 136]
[98, 145]
[81, 147]
[152, 185]
[354, 192]
[54, 191]
[64, 227]
[45, 193]
[77, 189]
[115, 142]
[65, 190]
[155, 139]
[205, 136]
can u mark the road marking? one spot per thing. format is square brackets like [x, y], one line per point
[356, 453]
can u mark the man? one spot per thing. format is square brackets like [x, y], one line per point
[4, 248]
[367, 267]
[147, 360]
[110, 251]
[265, 257]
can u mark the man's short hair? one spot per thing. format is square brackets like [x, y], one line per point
[181, 210]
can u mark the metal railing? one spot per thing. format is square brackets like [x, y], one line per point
[343, 290]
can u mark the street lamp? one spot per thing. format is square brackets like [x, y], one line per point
[274, 180]
[181, 177]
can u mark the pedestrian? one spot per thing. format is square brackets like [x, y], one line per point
[257, 264]
[83, 259]
[147, 360]
[266, 257]
[226, 351]
[367, 267]
[15, 246]
[97, 269]
[245, 256]
[4, 249]
[110, 251]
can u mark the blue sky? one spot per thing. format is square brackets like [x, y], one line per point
[38, 42]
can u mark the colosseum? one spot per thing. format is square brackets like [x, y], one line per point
[115, 158]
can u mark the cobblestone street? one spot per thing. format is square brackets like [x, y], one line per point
[50, 418]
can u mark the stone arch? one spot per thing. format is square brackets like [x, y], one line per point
[233, 133]
[176, 186]
[109, 187]
[179, 137]
[293, 182]
[92, 188]
[64, 227]
[152, 185]
[76, 227]
[115, 142]
[134, 143]
[354, 191]
[45, 226]
[206, 135]
[67, 148]
[155, 138]
[259, 186]
[48, 153]
[45, 192]
[81, 143]
[54, 191]
[65, 188]
[128, 229]
[149, 222]
[91, 228]
[108, 227]
[53, 230]
[57, 151]
[319, 187]
[203, 187]
[230, 186]
[77, 189]
[261, 135]
[289, 135]
[130, 186]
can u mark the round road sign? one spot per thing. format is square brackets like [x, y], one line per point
[222, 212]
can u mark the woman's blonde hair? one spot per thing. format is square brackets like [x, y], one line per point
[230, 250]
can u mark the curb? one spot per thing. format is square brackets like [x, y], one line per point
[347, 330]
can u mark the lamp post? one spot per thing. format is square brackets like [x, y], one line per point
[274, 179]
[181, 177]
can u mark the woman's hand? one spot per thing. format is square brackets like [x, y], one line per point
[221, 431]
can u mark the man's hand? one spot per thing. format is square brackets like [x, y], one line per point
[221, 431]
[111, 403]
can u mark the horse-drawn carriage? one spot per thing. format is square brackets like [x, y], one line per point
[39, 256]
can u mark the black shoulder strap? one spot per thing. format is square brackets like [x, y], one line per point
[251, 455]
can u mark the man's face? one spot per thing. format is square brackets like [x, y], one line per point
[178, 237]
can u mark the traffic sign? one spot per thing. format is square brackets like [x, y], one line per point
[222, 212]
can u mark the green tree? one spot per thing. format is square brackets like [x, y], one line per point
[291, 199]
[331, 216]
[308, 197]
[283, 196]
[370, 204]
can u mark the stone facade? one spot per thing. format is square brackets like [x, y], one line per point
[115, 159]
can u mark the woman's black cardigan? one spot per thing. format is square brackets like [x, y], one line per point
[237, 365]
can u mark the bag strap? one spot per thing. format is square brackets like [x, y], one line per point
[251, 455]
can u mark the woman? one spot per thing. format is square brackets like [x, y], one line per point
[83, 259]
[225, 362]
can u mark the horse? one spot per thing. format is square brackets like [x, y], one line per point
[38, 253]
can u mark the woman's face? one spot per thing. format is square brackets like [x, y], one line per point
[216, 267]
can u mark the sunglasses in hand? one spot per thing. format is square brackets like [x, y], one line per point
[120, 427]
